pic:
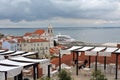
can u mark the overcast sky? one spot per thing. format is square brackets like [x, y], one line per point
[59, 13]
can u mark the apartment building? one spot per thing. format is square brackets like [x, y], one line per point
[41, 34]
[39, 45]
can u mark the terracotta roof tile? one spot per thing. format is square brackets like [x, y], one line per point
[67, 59]
[54, 50]
[28, 34]
[39, 31]
[21, 40]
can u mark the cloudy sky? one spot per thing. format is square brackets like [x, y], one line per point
[59, 13]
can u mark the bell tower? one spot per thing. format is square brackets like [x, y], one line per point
[51, 35]
[50, 30]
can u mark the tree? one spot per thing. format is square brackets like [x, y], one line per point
[64, 75]
[45, 78]
[97, 75]
[55, 43]
[1, 35]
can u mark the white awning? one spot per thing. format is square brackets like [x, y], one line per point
[74, 47]
[90, 53]
[85, 48]
[104, 54]
[29, 60]
[118, 51]
[7, 52]
[110, 49]
[17, 53]
[2, 50]
[9, 62]
[97, 49]
[29, 53]
[11, 71]
[107, 51]
[2, 57]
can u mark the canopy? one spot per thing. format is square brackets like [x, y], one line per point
[19, 58]
[17, 53]
[97, 49]
[7, 52]
[74, 47]
[29, 53]
[108, 49]
[9, 62]
[85, 48]
[118, 51]
[2, 51]
[90, 53]
[11, 71]
[107, 52]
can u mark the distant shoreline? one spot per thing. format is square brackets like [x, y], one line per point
[84, 34]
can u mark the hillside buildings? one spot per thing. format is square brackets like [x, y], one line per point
[38, 45]
[40, 41]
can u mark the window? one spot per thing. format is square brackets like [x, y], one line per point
[37, 44]
[46, 47]
[34, 44]
[24, 44]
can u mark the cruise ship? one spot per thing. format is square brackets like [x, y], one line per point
[63, 38]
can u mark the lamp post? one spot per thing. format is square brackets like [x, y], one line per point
[59, 60]
[49, 70]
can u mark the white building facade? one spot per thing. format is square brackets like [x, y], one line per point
[38, 45]
[42, 34]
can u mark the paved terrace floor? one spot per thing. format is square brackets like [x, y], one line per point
[81, 76]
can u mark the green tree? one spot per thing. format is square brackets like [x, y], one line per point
[97, 75]
[55, 43]
[1, 35]
[64, 75]
[45, 78]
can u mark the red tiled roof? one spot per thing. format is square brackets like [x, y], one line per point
[39, 31]
[28, 34]
[21, 40]
[67, 59]
[54, 50]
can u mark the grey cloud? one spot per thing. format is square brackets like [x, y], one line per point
[17, 10]
[87, 8]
